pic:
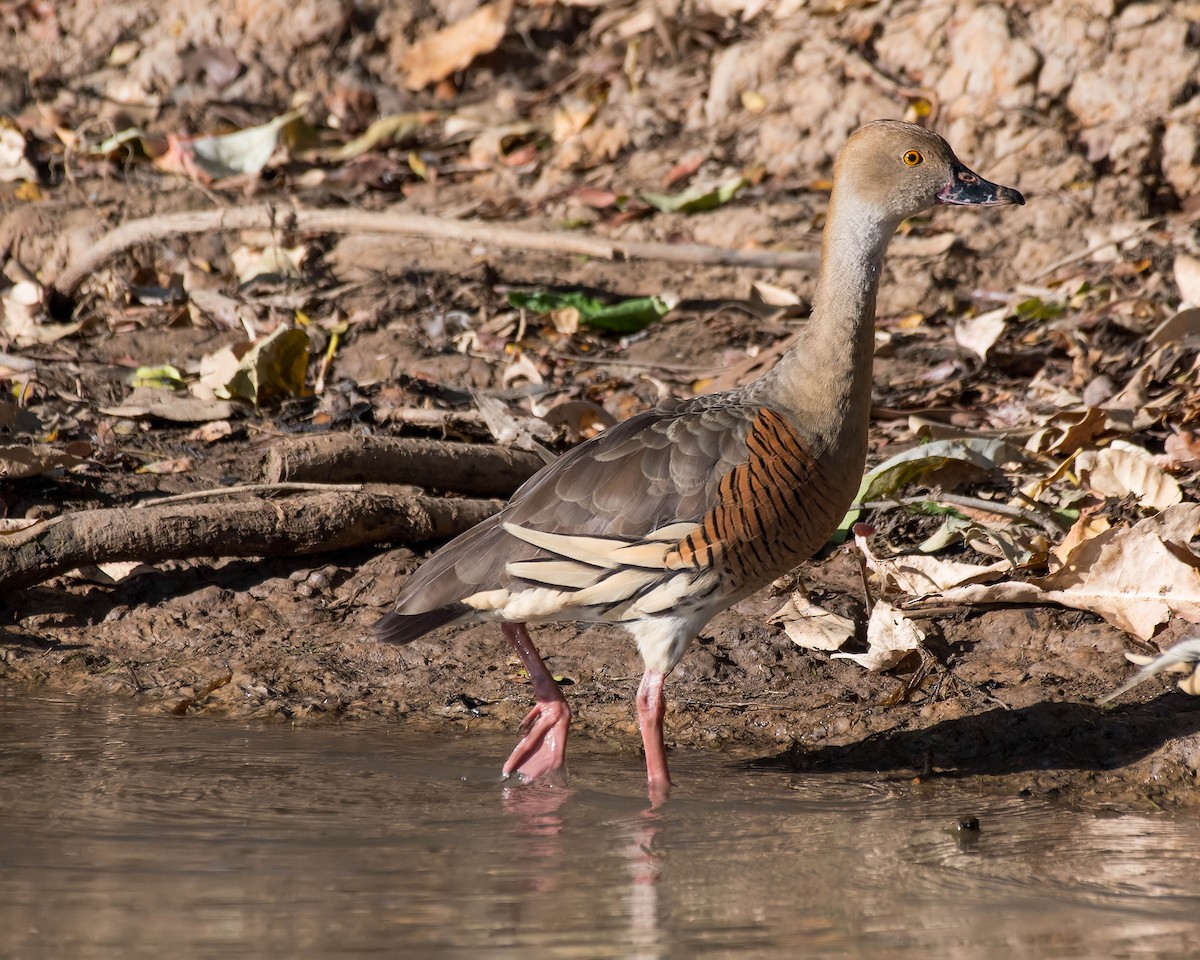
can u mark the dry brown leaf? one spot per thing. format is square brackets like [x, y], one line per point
[595, 144]
[176, 465]
[489, 145]
[979, 334]
[19, 460]
[1068, 430]
[226, 312]
[684, 168]
[1187, 278]
[1122, 469]
[521, 367]
[570, 117]
[774, 296]
[812, 627]
[23, 316]
[1178, 326]
[274, 260]
[746, 9]
[919, 575]
[452, 48]
[566, 320]
[891, 636]
[1134, 577]
[391, 130]
[1179, 449]
[753, 102]
[580, 419]
[111, 573]
[216, 370]
[595, 198]
[13, 164]
[169, 405]
[211, 432]
[521, 433]
[1087, 526]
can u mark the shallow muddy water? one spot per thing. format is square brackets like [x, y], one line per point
[134, 836]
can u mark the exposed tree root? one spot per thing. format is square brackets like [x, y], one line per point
[478, 470]
[257, 527]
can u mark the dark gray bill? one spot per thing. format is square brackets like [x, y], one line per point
[967, 187]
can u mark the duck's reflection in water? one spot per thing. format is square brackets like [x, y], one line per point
[536, 815]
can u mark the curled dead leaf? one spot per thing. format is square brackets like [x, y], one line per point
[13, 164]
[18, 461]
[1122, 469]
[1187, 278]
[1087, 526]
[812, 627]
[891, 637]
[452, 48]
[979, 334]
[1179, 450]
[1098, 576]
[171, 405]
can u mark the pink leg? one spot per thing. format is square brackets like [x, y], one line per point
[543, 747]
[651, 705]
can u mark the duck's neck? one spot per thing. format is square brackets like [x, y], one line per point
[825, 378]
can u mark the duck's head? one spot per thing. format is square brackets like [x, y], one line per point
[902, 169]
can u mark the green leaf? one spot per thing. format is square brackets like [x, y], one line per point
[165, 376]
[130, 140]
[977, 453]
[387, 131]
[625, 316]
[698, 198]
[1035, 309]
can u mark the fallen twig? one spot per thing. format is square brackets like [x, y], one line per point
[267, 217]
[444, 420]
[255, 488]
[251, 528]
[971, 503]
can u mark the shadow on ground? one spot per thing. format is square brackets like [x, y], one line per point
[1042, 736]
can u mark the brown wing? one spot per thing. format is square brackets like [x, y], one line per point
[661, 466]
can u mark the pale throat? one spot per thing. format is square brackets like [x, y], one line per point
[826, 376]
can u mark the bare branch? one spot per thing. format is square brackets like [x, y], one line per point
[151, 229]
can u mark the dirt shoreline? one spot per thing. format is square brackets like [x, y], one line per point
[244, 641]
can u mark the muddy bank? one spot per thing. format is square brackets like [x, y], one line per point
[1003, 695]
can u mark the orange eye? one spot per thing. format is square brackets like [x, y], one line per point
[913, 157]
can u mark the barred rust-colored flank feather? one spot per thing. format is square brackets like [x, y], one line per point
[761, 523]
[661, 522]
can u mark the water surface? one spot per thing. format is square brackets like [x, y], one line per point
[133, 836]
